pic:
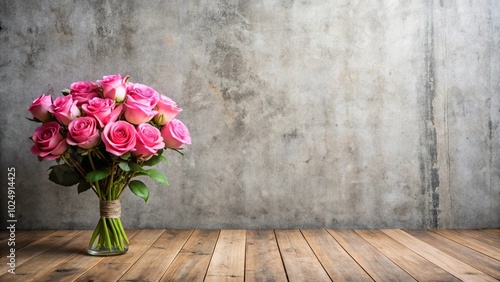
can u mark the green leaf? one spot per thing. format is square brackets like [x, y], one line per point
[83, 186]
[140, 189]
[135, 167]
[64, 175]
[157, 176]
[125, 156]
[95, 176]
[124, 166]
[66, 92]
[154, 160]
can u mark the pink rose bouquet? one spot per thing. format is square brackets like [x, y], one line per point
[102, 135]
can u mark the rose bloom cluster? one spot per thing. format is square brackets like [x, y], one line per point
[124, 116]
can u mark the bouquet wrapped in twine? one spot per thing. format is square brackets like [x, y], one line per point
[102, 135]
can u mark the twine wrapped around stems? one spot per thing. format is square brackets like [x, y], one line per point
[110, 209]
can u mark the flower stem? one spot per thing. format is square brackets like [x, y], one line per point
[120, 226]
[81, 171]
[106, 234]
[110, 181]
[95, 233]
[100, 194]
[129, 178]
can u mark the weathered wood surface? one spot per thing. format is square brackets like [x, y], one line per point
[259, 255]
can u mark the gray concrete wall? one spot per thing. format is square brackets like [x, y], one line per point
[303, 114]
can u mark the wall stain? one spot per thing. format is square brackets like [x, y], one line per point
[62, 22]
[287, 3]
[490, 129]
[113, 36]
[428, 157]
[36, 46]
[288, 137]
[227, 61]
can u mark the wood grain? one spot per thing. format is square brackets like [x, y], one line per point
[445, 261]
[192, 262]
[300, 261]
[405, 258]
[154, 262]
[472, 243]
[482, 236]
[60, 248]
[37, 247]
[22, 240]
[335, 260]
[377, 265]
[228, 259]
[260, 255]
[263, 259]
[460, 252]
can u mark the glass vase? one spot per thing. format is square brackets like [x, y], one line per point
[109, 237]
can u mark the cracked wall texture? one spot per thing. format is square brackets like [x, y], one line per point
[303, 114]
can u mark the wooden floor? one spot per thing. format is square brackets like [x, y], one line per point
[259, 255]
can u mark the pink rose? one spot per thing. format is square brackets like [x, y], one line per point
[65, 109]
[83, 132]
[40, 107]
[175, 134]
[149, 141]
[83, 91]
[103, 110]
[119, 137]
[49, 144]
[138, 113]
[167, 110]
[143, 94]
[114, 87]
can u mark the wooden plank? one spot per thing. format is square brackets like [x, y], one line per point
[335, 260]
[228, 259]
[155, 261]
[263, 259]
[77, 263]
[192, 262]
[470, 243]
[494, 232]
[5, 235]
[378, 266]
[54, 255]
[474, 259]
[405, 258]
[113, 267]
[300, 261]
[261, 255]
[482, 236]
[450, 264]
[24, 239]
[36, 247]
